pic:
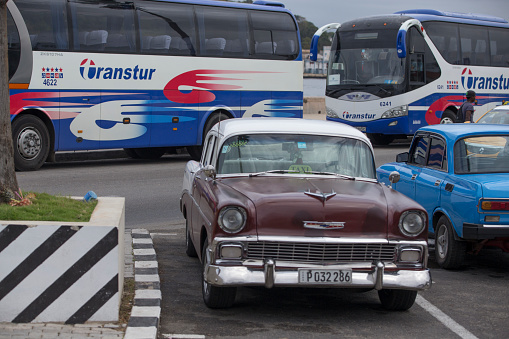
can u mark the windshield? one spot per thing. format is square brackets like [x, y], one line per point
[482, 154]
[312, 154]
[365, 61]
[499, 116]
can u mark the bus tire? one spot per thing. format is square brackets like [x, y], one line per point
[195, 151]
[448, 117]
[31, 142]
[381, 139]
[150, 153]
[131, 153]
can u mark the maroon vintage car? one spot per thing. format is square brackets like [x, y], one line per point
[293, 202]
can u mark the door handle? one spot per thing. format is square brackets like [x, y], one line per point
[413, 177]
[437, 183]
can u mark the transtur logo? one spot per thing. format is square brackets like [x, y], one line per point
[358, 116]
[468, 81]
[88, 70]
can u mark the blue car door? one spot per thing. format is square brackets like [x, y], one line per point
[412, 169]
[430, 180]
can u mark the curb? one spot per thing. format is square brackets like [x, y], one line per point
[146, 311]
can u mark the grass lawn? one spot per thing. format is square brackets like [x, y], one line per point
[47, 207]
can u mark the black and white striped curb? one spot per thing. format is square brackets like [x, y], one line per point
[146, 311]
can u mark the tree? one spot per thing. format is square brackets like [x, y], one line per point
[8, 180]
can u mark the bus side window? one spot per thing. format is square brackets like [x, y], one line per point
[103, 28]
[47, 24]
[13, 45]
[166, 28]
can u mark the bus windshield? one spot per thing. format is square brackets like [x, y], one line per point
[365, 61]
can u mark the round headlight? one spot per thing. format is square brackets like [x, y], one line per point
[232, 219]
[412, 223]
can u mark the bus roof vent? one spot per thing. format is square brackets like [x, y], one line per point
[470, 16]
[269, 3]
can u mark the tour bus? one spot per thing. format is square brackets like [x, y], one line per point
[145, 76]
[389, 75]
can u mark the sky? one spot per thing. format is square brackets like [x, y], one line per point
[322, 12]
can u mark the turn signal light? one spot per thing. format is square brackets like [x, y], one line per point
[495, 205]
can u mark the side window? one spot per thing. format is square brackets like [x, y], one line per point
[437, 155]
[13, 45]
[445, 37]
[103, 26]
[208, 151]
[416, 50]
[166, 28]
[275, 35]
[223, 32]
[499, 48]
[47, 24]
[419, 150]
[474, 45]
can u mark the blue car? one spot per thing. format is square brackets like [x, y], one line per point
[460, 174]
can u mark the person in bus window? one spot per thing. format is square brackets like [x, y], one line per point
[466, 111]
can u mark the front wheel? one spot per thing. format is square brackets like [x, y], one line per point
[397, 300]
[449, 252]
[381, 139]
[31, 142]
[448, 117]
[214, 296]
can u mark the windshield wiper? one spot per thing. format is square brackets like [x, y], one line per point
[271, 171]
[296, 172]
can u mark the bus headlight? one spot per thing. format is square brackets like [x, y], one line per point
[412, 223]
[395, 112]
[232, 219]
[331, 113]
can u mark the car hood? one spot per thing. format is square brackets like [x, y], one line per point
[339, 207]
[494, 185]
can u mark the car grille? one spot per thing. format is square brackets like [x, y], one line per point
[313, 252]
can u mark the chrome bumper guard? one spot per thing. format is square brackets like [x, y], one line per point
[270, 276]
[272, 273]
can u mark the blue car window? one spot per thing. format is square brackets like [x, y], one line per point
[436, 158]
[419, 150]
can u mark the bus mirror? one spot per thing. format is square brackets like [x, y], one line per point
[313, 52]
[401, 44]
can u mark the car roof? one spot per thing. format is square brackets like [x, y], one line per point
[501, 108]
[457, 131]
[287, 126]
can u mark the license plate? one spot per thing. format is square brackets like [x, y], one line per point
[361, 128]
[325, 276]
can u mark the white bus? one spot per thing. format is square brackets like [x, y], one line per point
[146, 76]
[389, 75]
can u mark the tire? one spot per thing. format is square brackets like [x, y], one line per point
[190, 250]
[381, 139]
[31, 142]
[195, 151]
[448, 117]
[449, 252]
[213, 296]
[150, 153]
[397, 300]
[131, 153]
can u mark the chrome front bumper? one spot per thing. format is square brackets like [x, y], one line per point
[270, 276]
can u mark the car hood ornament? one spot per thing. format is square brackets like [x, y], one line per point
[323, 197]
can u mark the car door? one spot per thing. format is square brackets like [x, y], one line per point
[430, 179]
[201, 188]
[414, 165]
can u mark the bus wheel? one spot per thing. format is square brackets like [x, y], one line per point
[31, 143]
[380, 139]
[149, 152]
[448, 117]
[131, 153]
[195, 151]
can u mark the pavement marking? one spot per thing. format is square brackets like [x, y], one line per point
[444, 318]
[183, 336]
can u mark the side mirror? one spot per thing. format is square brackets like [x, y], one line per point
[402, 157]
[394, 177]
[210, 171]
